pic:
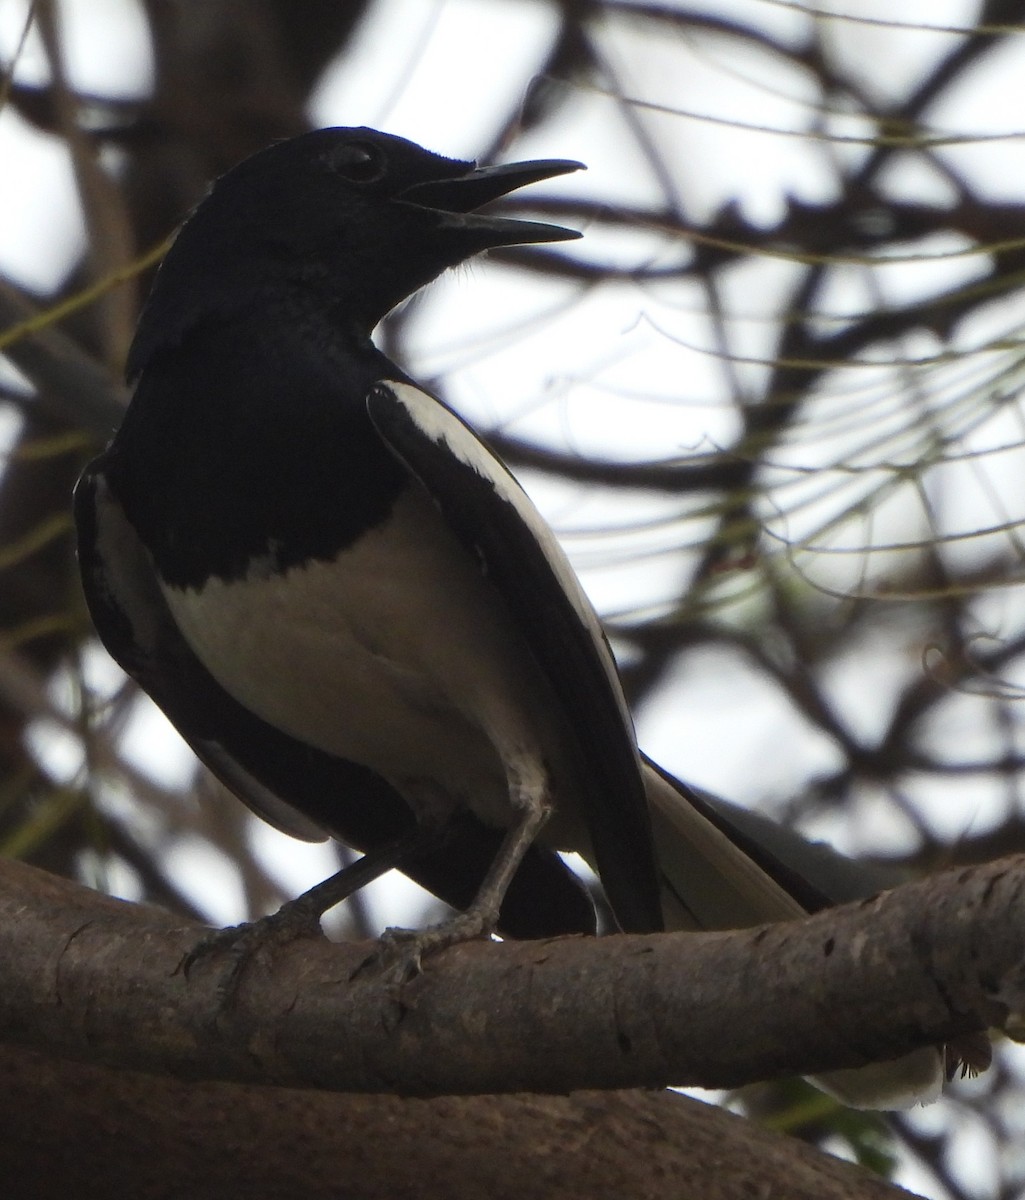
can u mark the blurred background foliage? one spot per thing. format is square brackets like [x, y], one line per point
[770, 401]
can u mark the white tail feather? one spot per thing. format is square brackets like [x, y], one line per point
[709, 883]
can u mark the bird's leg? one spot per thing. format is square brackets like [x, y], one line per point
[301, 917]
[406, 947]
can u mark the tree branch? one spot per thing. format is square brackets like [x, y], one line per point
[98, 979]
[71, 1129]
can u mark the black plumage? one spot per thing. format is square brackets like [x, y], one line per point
[249, 441]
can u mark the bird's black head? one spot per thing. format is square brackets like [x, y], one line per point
[355, 219]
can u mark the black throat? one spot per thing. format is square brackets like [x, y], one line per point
[250, 443]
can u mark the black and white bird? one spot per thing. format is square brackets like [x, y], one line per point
[348, 606]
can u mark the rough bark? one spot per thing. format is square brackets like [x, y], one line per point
[72, 1129]
[98, 979]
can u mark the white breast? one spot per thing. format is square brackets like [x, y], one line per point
[397, 655]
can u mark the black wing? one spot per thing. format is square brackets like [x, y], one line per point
[296, 787]
[491, 514]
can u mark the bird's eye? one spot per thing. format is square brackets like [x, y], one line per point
[361, 162]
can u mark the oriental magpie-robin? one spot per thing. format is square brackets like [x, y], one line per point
[345, 602]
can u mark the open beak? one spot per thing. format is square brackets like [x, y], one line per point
[460, 196]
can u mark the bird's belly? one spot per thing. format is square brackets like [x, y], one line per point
[393, 655]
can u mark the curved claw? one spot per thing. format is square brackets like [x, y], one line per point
[239, 943]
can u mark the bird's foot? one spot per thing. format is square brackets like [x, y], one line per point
[237, 944]
[400, 952]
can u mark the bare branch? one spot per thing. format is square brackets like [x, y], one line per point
[94, 1133]
[98, 979]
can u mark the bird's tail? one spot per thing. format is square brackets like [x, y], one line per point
[722, 867]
